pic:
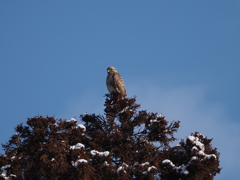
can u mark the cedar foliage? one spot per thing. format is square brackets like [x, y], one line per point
[122, 144]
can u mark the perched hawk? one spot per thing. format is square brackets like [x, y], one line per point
[115, 82]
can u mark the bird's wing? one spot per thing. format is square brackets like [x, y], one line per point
[119, 84]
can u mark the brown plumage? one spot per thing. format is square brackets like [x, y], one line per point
[115, 82]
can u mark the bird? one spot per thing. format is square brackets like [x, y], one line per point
[115, 83]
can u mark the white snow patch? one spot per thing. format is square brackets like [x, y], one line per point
[72, 120]
[210, 156]
[155, 120]
[201, 153]
[167, 161]
[181, 169]
[122, 168]
[82, 127]
[166, 130]
[206, 156]
[13, 175]
[144, 164]
[150, 168]
[106, 163]
[79, 161]
[191, 138]
[195, 140]
[193, 158]
[4, 171]
[95, 152]
[194, 148]
[77, 146]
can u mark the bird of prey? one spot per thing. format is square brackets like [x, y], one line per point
[115, 82]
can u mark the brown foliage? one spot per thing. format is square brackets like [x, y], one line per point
[124, 143]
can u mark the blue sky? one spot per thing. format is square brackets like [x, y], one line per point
[180, 58]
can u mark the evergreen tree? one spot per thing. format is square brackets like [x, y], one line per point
[123, 144]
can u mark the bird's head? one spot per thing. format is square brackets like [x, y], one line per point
[111, 69]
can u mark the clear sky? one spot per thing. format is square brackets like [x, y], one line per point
[180, 58]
